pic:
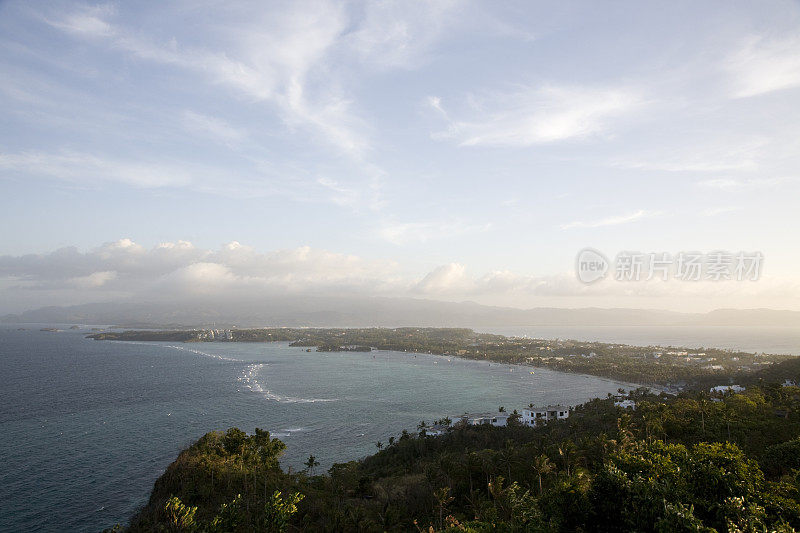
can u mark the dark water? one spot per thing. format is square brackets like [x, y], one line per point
[87, 426]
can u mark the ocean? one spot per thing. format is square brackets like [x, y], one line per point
[87, 426]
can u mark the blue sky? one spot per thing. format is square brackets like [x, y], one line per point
[475, 145]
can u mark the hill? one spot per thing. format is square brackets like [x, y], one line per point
[386, 312]
[671, 465]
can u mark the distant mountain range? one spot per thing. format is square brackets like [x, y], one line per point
[383, 312]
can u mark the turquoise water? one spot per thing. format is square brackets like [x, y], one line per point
[86, 427]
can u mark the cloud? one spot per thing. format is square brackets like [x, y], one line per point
[94, 280]
[180, 272]
[453, 282]
[734, 185]
[763, 65]
[445, 279]
[714, 211]
[609, 221]
[398, 33]
[420, 232]
[86, 20]
[689, 155]
[541, 114]
[257, 178]
[275, 56]
[181, 268]
[79, 167]
[215, 128]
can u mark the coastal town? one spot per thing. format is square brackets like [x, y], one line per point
[531, 416]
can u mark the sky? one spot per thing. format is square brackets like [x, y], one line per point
[449, 150]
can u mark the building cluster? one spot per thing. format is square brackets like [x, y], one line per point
[530, 416]
[722, 389]
[215, 335]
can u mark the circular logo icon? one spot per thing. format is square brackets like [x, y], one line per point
[590, 265]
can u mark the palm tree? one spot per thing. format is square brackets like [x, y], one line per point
[703, 405]
[443, 498]
[310, 464]
[379, 445]
[502, 409]
[472, 462]
[506, 457]
[624, 433]
[542, 466]
[566, 450]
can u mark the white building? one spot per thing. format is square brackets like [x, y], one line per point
[625, 404]
[722, 389]
[436, 430]
[536, 416]
[492, 419]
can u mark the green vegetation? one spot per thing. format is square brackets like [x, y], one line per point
[687, 463]
[651, 365]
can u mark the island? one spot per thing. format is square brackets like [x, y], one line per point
[671, 368]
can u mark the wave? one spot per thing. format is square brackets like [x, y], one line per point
[206, 354]
[283, 433]
[249, 379]
[185, 349]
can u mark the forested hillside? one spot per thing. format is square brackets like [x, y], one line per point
[688, 463]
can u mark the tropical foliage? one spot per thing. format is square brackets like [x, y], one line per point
[688, 463]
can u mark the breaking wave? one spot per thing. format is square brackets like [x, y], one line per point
[249, 378]
[198, 352]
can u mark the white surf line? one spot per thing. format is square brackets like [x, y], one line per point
[249, 378]
[198, 352]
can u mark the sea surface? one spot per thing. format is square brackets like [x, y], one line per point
[87, 426]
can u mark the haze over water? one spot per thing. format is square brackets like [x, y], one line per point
[774, 340]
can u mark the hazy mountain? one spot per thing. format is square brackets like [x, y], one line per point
[329, 311]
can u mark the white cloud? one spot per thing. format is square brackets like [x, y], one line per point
[714, 211]
[260, 180]
[763, 65]
[450, 278]
[609, 221]
[94, 280]
[216, 128]
[180, 267]
[78, 167]
[398, 33]
[421, 232]
[535, 115]
[723, 155]
[734, 185]
[86, 20]
[271, 55]
[180, 271]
